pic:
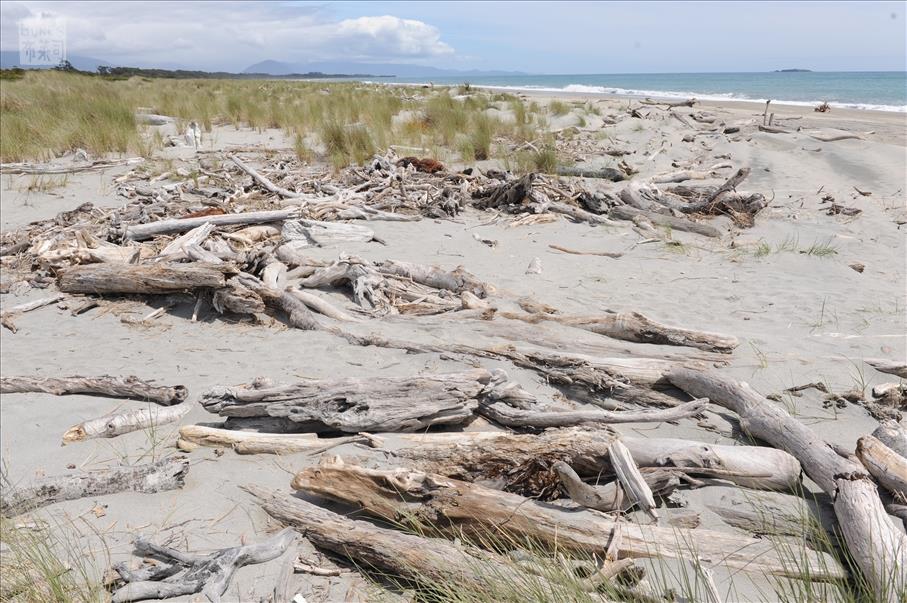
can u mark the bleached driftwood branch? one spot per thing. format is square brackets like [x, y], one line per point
[167, 474]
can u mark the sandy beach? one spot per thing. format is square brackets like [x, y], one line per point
[788, 288]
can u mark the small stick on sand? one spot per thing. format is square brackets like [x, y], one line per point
[607, 254]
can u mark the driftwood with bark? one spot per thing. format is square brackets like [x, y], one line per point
[153, 279]
[167, 474]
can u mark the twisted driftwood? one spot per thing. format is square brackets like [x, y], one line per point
[105, 385]
[189, 573]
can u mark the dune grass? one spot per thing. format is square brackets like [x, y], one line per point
[44, 562]
[44, 114]
[47, 114]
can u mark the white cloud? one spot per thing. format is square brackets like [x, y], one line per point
[231, 36]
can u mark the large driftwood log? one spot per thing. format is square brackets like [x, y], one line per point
[455, 505]
[506, 415]
[888, 467]
[115, 424]
[354, 405]
[428, 561]
[167, 474]
[182, 574]
[633, 326]
[880, 549]
[114, 387]
[892, 367]
[522, 461]
[140, 232]
[100, 279]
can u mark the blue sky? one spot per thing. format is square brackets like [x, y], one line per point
[535, 37]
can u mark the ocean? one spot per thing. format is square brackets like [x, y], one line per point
[879, 90]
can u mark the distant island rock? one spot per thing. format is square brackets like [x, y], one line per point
[793, 70]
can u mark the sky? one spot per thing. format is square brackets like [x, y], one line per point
[533, 37]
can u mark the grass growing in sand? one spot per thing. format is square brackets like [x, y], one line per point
[44, 562]
[46, 114]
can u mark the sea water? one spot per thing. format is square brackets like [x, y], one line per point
[879, 90]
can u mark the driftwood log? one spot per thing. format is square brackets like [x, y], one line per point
[115, 424]
[179, 574]
[167, 474]
[101, 279]
[633, 326]
[251, 442]
[113, 387]
[892, 367]
[455, 505]
[509, 416]
[894, 435]
[887, 466]
[623, 212]
[429, 561]
[522, 461]
[878, 547]
[604, 173]
[140, 232]
[354, 405]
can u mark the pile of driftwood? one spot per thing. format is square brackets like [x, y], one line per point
[238, 243]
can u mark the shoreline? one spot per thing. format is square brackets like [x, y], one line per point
[655, 94]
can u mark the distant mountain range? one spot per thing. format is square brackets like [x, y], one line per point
[380, 69]
[10, 59]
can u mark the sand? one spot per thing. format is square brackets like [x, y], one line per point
[800, 318]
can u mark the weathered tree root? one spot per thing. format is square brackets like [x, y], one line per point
[190, 573]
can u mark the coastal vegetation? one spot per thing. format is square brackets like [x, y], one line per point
[49, 113]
